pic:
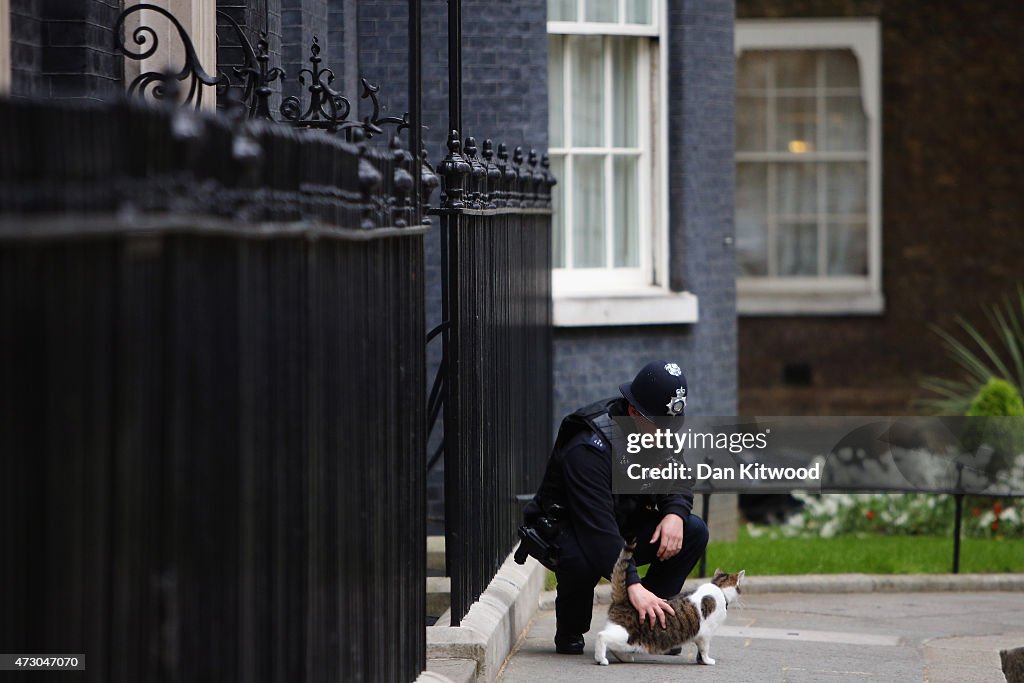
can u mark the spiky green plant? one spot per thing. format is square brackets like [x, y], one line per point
[979, 359]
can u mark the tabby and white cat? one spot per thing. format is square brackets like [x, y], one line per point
[698, 614]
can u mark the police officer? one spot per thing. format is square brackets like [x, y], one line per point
[594, 522]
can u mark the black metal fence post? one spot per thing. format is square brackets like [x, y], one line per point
[957, 524]
[496, 307]
[416, 103]
[223, 408]
[705, 508]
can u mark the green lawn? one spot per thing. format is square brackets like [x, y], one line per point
[868, 555]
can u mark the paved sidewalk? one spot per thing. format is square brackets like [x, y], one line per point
[862, 637]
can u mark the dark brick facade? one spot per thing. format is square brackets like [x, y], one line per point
[64, 48]
[952, 210]
[26, 40]
[301, 20]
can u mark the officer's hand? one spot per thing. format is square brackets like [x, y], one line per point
[670, 530]
[648, 605]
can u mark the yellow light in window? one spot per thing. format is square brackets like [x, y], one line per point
[798, 146]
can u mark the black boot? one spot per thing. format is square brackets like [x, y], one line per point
[568, 644]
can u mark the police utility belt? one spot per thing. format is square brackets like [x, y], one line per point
[538, 538]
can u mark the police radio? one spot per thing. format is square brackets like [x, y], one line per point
[538, 539]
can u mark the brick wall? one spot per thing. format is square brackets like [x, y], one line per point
[64, 48]
[26, 39]
[952, 209]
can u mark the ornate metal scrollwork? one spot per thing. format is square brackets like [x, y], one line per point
[471, 178]
[373, 121]
[327, 108]
[249, 85]
[256, 75]
[155, 83]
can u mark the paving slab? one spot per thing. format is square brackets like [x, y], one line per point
[865, 637]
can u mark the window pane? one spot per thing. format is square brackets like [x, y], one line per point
[558, 212]
[588, 212]
[752, 69]
[752, 188]
[797, 124]
[751, 245]
[845, 125]
[796, 190]
[627, 221]
[587, 91]
[841, 69]
[798, 249]
[601, 10]
[561, 10]
[751, 219]
[638, 11]
[556, 91]
[847, 188]
[624, 92]
[751, 124]
[847, 249]
[795, 68]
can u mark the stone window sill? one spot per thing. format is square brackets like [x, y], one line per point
[647, 306]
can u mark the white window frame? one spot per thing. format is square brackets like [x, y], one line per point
[824, 295]
[633, 296]
[569, 278]
[5, 46]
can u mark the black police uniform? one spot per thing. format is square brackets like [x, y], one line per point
[594, 521]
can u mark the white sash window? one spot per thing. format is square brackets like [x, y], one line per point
[808, 167]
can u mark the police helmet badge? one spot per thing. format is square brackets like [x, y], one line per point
[677, 404]
[673, 369]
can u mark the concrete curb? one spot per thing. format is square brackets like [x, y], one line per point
[492, 627]
[848, 583]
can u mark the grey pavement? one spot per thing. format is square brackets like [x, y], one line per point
[862, 637]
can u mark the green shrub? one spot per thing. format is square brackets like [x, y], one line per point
[979, 359]
[998, 399]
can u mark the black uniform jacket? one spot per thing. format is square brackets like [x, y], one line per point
[579, 477]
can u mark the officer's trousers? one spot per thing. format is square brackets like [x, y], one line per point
[576, 578]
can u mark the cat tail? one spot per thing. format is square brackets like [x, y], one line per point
[618, 582]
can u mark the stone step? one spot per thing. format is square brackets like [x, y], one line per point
[435, 553]
[439, 594]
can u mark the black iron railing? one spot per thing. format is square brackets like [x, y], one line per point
[245, 91]
[137, 159]
[212, 416]
[496, 270]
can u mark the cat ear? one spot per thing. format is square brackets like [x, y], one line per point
[739, 577]
[718, 572]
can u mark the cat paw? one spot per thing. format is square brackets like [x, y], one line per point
[706, 660]
[603, 662]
